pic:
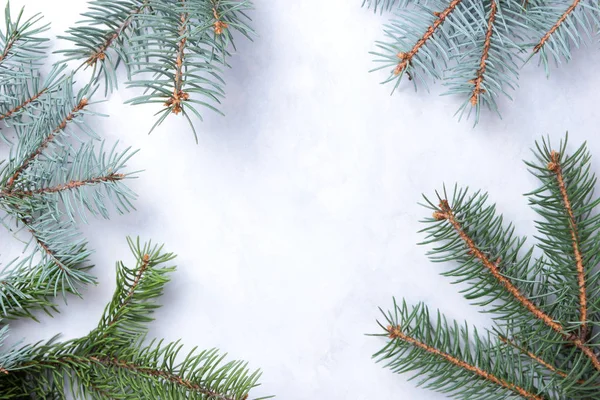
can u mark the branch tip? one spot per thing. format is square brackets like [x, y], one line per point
[219, 26]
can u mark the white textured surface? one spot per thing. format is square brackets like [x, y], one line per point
[295, 216]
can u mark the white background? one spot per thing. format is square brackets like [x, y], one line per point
[295, 216]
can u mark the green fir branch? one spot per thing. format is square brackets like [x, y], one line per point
[544, 343]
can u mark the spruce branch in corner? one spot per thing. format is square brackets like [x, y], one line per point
[173, 49]
[114, 361]
[477, 47]
[57, 173]
[546, 308]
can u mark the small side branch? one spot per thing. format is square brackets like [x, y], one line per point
[395, 332]
[23, 104]
[67, 186]
[447, 214]
[555, 27]
[80, 106]
[134, 285]
[477, 82]
[406, 58]
[48, 251]
[100, 53]
[555, 167]
[138, 277]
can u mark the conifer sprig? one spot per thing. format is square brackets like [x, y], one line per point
[477, 47]
[114, 361]
[545, 340]
[173, 49]
[55, 175]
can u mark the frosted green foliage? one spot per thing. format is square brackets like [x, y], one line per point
[56, 174]
[476, 48]
[544, 299]
[173, 49]
[114, 361]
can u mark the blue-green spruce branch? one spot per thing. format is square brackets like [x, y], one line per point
[544, 298]
[476, 48]
[56, 174]
[175, 50]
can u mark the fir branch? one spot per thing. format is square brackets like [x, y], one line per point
[395, 333]
[540, 343]
[447, 214]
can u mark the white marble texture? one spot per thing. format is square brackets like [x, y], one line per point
[295, 216]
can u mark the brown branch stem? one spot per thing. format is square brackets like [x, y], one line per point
[66, 186]
[100, 53]
[179, 96]
[406, 58]
[554, 27]
[167, 376]
[395, 332]
[477, 90]
[23, 104]
[556, 168]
